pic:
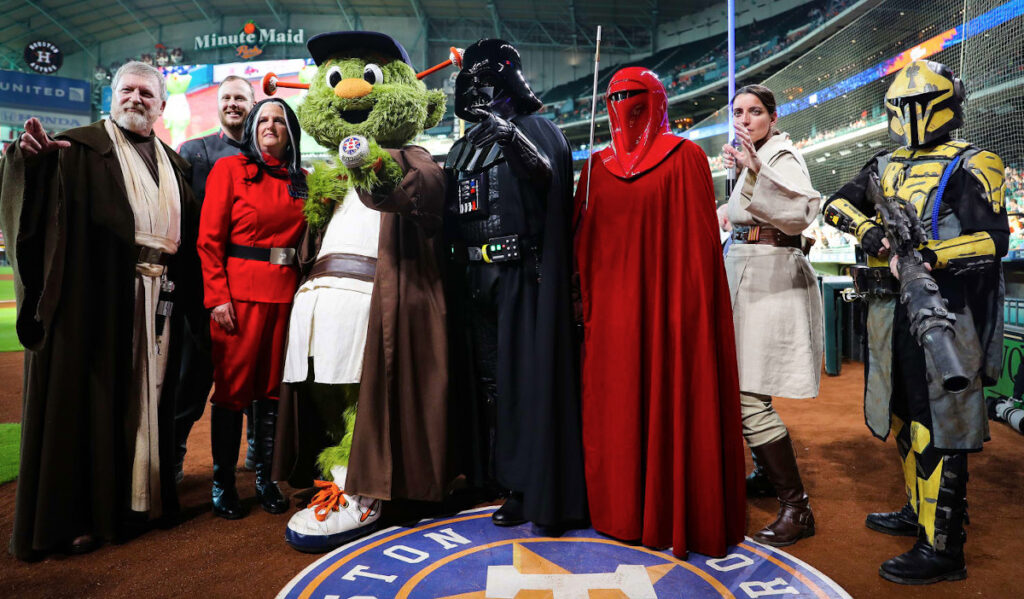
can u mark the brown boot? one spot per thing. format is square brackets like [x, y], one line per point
[795, 520]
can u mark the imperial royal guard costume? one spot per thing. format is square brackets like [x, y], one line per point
[661, 412]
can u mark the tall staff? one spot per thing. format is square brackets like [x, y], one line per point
[593, 116]
[730, 12]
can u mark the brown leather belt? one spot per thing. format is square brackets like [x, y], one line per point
[765, 236]
[352, 266]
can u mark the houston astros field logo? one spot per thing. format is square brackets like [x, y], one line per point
[467, 557]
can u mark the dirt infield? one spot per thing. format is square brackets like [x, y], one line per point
[847, 472]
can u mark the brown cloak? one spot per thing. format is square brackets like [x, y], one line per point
[399, 448]
[71, 240]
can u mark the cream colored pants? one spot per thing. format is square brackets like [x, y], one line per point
[761, 423]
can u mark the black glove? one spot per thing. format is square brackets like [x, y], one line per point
[872, 241]
[490, 130]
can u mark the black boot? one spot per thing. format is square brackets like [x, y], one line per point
[758, 484]
[795, 520]
[225, 434]
[924, 565]
[941, 557]
[902, 523]
[180, 447]
[265, 421]
[511, 513]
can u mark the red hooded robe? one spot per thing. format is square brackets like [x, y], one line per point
[661, 416]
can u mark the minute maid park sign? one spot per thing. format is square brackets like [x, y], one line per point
[250, 39]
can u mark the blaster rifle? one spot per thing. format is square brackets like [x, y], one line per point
[931, 322]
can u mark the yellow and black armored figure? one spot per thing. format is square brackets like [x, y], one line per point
[956, 190]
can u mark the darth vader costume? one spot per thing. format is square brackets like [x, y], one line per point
[507, 218]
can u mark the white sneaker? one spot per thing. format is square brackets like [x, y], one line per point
[332, 517]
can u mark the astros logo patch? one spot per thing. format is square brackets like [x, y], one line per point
[467, 557]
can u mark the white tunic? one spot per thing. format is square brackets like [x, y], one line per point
[777, 310]
[330, 314]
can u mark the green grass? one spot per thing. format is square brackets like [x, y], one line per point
[8, 336]
[10, 441]
[6, 283]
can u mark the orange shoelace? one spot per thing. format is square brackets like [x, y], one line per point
[329, 498]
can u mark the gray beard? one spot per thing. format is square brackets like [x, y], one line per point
[132, 121]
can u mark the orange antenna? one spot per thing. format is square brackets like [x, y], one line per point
[454, 58]
[271, 83]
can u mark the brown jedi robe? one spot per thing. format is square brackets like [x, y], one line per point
[399, 447]
[70, 234]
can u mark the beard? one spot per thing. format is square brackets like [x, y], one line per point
[135, 122]
[234, 127]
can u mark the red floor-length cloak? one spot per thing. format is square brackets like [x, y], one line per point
[661, 416]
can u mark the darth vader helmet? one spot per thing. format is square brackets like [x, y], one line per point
[491, 72]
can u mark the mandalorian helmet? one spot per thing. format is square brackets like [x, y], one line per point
[923, 103]
[492, 70]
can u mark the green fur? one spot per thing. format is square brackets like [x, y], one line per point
[343, 428]
[335, 455]
[328, 184]
[381, 182]
[435, 108]
[401, 107]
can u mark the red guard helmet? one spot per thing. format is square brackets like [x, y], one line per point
[638, 112]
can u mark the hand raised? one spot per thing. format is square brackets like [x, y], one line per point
[747, 156]
[34, 140]
[490, 130]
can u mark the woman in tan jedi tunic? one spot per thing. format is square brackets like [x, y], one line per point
[776, 303]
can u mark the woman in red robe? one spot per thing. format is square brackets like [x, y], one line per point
[251, 222]
[661, 417]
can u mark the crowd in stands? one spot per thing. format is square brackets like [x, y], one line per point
[692, 66]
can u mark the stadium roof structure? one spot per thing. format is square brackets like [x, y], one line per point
[629, 25]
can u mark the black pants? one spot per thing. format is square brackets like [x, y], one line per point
[482, 282]
[937, 482]
[909, 372]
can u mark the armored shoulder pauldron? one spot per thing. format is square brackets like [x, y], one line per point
[464, 157]
[914, 175]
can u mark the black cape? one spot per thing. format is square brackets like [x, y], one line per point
[71, 239]
[538, 445]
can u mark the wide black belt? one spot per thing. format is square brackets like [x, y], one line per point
[497, 249]
[279, 256]
[352, 266]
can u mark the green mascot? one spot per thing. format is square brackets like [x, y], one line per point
[366, 366]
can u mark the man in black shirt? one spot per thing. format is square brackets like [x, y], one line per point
[235, 98]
